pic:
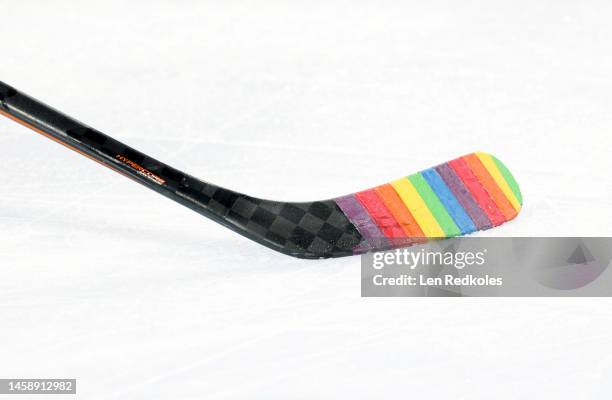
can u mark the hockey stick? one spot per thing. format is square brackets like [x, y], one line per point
[470, 193]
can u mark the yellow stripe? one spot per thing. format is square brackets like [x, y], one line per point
[419, 210]
[489, 164]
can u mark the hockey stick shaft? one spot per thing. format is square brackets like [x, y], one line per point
[72, 134]
[105, 150]
[289, 228]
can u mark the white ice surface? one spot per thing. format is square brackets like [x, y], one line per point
[139, 298]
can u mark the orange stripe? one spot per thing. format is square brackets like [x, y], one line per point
[27, 125]
[399, 211]
[490, 186]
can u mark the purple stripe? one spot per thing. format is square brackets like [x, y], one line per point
[352, 208]
[464, 197]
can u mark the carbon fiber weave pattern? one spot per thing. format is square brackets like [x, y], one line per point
[308, 230]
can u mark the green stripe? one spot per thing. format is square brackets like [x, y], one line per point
[510, 179]
[435, 206]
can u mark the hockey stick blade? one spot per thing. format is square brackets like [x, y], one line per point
[471, 193]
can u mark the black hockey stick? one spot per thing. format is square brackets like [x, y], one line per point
[397, 214]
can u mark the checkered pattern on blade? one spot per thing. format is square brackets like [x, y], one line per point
[317, 229]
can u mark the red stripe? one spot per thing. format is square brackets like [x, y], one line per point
[479, 194]
[380, 214]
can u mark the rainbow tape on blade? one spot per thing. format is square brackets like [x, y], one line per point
[471, 193]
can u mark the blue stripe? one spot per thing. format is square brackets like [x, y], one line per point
[456, 211]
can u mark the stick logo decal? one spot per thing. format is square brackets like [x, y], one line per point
[141, 170]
